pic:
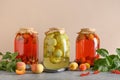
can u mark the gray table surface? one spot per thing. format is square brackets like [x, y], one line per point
[66, 75]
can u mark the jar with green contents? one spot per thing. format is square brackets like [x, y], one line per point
[56, 49]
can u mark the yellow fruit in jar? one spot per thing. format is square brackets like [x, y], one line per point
[52, 42]
[60, 38]
[55, 60]
[47, 53]
[91, 36]
[50, 49]
[73, 66]
[58, 53]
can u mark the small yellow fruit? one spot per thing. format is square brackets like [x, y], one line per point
[20, 72]
[37, 68]
[87, 65]
[73, 66]
[20, 66]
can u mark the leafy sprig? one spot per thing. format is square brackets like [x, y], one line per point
[108, 62]
[8, 61]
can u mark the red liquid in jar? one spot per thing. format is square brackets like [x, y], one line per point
[86, 46]
[26, 44]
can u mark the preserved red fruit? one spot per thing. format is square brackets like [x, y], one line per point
[116, 71]
[85, 74]
[26, 44]
[96, 72]
[87, 43]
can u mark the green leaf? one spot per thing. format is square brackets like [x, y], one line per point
[118, 52]
[14, 55]
[14, 65]
[8, 62]
[116, 64]
[113, 56]
[102, 52]
[7, 55]
[18, 60]
[98, 63]
[8, 66]
[109, 61]
[12, 70]
[103, 68]
[4, 63]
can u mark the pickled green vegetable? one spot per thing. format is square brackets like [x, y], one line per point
[46, 53]
[52, 42]
[48, 37]
[58, 53]
[55, 60]
[60, 38]
[50, 49]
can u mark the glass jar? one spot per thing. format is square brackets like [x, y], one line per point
[56, 49]
[87, 43]
[26, 44]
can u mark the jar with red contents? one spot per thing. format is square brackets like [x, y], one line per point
[26, 44]
[87, 43]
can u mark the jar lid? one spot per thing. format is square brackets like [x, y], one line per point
[54, 29]
[27, 30]
[87, 30]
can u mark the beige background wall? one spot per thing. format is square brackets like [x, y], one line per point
[103, 15]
